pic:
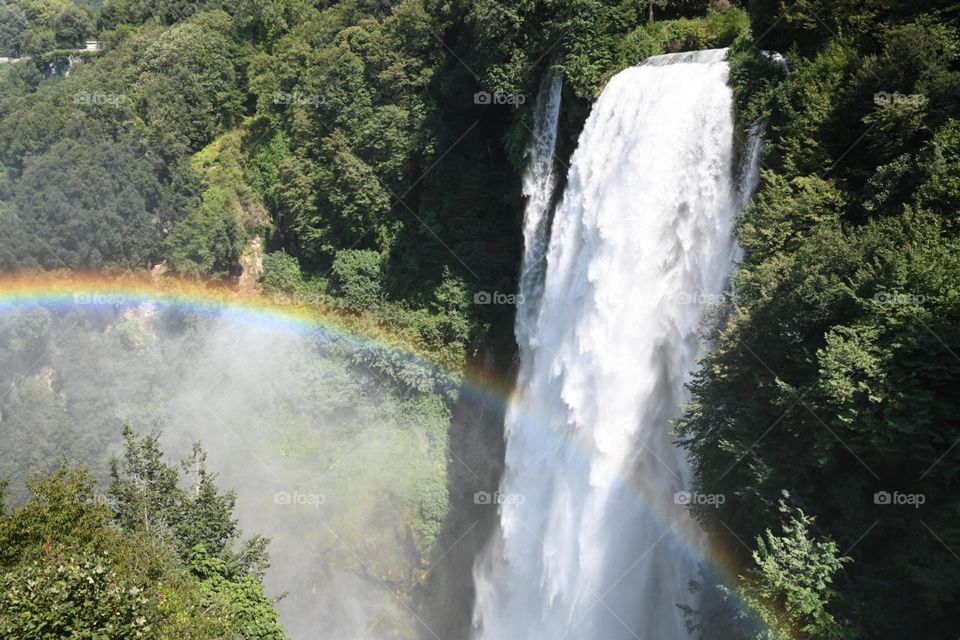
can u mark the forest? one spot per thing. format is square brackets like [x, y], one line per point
[364, 158]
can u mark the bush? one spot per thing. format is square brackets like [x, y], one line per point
[72, 598]
[13, 27]
[594, 61]
[67, 571]
[87, 205]
[724, 27]
[639, 45]
[682, 35]
[356, 278]
[790, 586]
[208, 242]
[281, 273]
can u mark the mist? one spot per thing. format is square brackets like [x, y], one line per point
[343, 470]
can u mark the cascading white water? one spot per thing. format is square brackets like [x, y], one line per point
[592, 544]
[539, 183]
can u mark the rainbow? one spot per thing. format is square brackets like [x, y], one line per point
[281, 312]
[70, 290]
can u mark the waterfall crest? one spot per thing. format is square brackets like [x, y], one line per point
[594, 541]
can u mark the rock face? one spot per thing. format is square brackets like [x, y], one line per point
[251, 267]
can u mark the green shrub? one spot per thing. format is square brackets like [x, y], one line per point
[594, 60]
[356, 278]
[941, 190]
[683, 35]
[791, 584]
[639, 45]
[208, 242]
[281, 273]
[70, 567]
[73, 597]
[724, 27]
[262, 168]
[13, 27]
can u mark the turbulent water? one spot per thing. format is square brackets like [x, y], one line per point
[592, 543]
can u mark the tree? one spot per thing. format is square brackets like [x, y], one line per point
[209, 241]
[143, 487]
[356, 278]
[65, 571]
[13, 28]
[149, 495]
[186, 91]
[205, 517]
[74, 597]
[71, 26]
[37, 41]
[785, 593]
[61, 513]
[830, 372]
[86, 204]
[281, 273]
[790, 585]
[241, 600]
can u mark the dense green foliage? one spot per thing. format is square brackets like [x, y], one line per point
[786, 592]
[325, 129]
[34, 27]
[348, 137]
[152, 558]
[279, 412]
[835, 359]
[791, 585]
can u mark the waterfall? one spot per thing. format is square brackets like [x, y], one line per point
[779, 60]
[539, 183]
[594, 541]
[750, 174]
